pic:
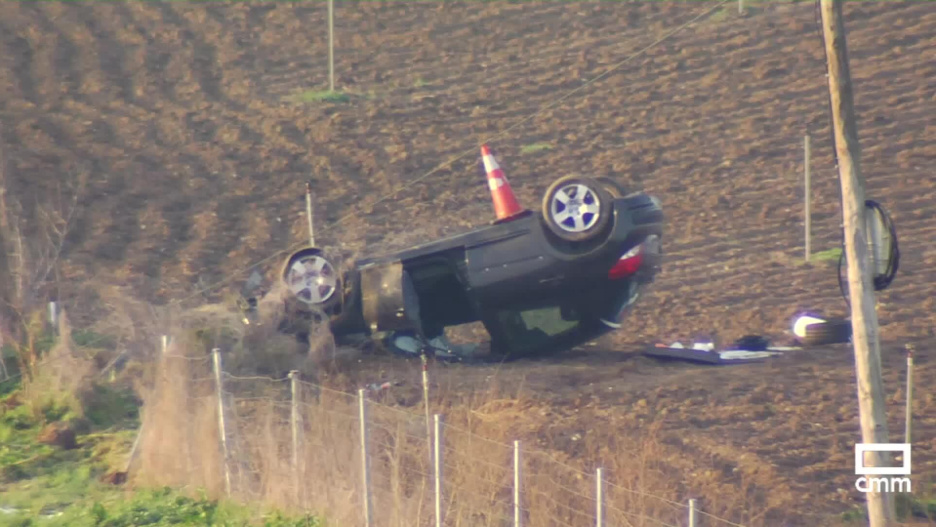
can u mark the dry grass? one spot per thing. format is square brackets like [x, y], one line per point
[648, 474]
[477, 461]
[179, 413]
[181, 446]
[56, 381]
[180, 403]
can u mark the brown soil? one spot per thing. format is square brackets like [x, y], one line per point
[180, 114]
[58, 435]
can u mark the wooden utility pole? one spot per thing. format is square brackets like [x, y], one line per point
[863, 315]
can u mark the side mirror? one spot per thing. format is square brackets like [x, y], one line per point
[883, 253]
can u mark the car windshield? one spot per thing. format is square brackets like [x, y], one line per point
[531, 328]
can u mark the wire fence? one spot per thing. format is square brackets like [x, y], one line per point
[348, 456]
[302, 446]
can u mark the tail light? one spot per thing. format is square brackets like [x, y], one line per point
[628, 264]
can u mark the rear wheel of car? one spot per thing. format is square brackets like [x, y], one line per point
[576, 208]
[311, 279]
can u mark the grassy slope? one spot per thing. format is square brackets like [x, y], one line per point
[44, 485]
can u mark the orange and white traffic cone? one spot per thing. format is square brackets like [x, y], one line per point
[505, 203]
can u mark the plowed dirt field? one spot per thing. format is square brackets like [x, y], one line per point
[184, 119]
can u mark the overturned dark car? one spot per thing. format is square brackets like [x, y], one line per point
[538, 281]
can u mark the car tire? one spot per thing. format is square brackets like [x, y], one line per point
[586, 218]
[612, 187]
[326, 294]
[835, 331]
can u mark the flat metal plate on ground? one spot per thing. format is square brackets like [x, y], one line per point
[710, 356]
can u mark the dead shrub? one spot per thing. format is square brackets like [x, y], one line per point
[179, 439]
[57, 381]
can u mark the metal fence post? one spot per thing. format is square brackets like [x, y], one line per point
[216, 361]
[908, 418]
[437, 469]
[53, 317]
[693, 517]
[309, 214]
[294, 425]
[807, 186]
[331, 45]
[599, 499]
[425, 385]
[518, 514]
[365, 460]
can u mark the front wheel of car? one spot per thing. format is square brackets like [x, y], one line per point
[576, 208]
[311, 279]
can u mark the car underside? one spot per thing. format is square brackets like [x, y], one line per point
[538, 282]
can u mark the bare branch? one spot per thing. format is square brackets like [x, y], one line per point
[56, 240]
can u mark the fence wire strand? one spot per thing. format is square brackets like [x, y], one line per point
[722, 520]
[254, 378]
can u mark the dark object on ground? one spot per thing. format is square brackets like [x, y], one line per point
[539, 282]
[752, 343]
[12, 401]
[115, 478]
[834, 331]
[58, 434]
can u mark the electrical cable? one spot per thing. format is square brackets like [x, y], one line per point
[884, 280]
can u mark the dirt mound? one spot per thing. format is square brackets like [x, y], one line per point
[58, 434]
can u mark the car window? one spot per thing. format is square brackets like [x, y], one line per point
[547, 319]
[534, 327]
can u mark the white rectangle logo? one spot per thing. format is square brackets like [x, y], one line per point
[861, 469]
